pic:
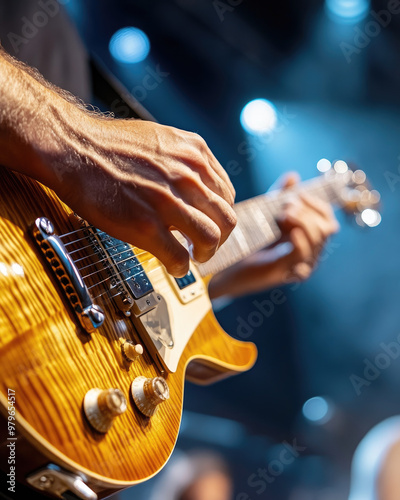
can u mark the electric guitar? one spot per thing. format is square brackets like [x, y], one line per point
[96, 338]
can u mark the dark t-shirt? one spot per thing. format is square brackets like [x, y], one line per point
[40, 33]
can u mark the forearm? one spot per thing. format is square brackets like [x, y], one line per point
[32, 114]
[133, 179]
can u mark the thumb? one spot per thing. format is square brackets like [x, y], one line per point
[285, 181]
[289, 180]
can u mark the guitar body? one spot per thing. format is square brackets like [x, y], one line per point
[50, 362]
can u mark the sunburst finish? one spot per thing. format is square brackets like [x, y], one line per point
[51, 363]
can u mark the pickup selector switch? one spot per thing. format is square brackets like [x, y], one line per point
[148, 393]
[102, 406]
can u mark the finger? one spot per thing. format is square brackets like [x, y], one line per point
[302, 249]
[311, 223]
[203, 234]
[211, 171]
[213, 206]
[290, 180]
[324, 209]
[168, 250]
[221, 172]
[285, 181]
[219, 184]
[302, 270]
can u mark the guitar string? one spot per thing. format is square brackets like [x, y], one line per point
[130, 257]
[74, 241]
[124, 280]
[322, 183]
[117, 263]
[90, 226]
[247, 209]
[102, 241]
[131, 247]
[120, 271]
[105, 258]
[266, 201]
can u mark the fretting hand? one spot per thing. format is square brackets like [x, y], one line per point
[306, 223]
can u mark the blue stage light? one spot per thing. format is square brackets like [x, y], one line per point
[347, 11]
[129, 45]
[259, 117]
[316, 410]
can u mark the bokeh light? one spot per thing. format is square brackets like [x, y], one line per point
[129, 45]
[259, 117]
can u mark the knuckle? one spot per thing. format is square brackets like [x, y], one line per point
[187, 180]
[229, 192]
[231, 220]
[211, 237]
[197, 142]
[198, 139]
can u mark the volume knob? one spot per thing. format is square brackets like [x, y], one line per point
[102, 406]
[148, 393]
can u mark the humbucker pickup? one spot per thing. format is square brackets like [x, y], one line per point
[127, 281]
[127, 264]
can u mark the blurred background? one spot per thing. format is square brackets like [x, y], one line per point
[329, 355]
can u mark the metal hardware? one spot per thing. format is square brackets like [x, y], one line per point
[89, 314]
[145, 304]
[56, 481]
[128, 281]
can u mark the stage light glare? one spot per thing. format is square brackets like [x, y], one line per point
[324, 165]
[340, 167]
[129, 45]
[347, 11]
[316, 410]
[370, 217]
[259, 117]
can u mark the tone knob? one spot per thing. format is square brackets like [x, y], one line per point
[148, 393]
[102, 406]
[130, 350]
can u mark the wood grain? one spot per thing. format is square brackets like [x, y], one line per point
[51, 362]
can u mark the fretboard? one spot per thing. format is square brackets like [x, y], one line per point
[257, 227]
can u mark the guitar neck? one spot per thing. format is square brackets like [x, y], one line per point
[257, 227]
